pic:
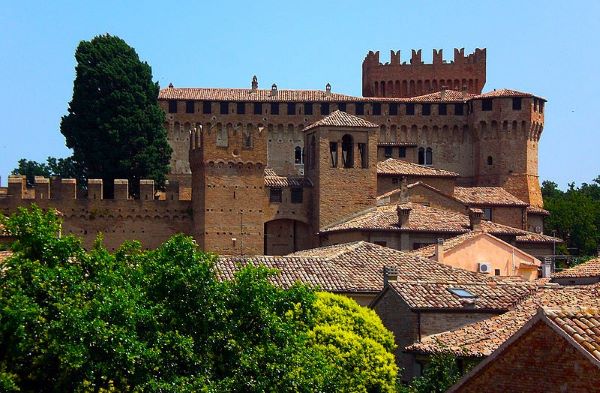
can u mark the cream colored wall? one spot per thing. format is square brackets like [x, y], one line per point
[500, 255]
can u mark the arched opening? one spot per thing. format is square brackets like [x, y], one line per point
[490, 160]
[421, 156]
[347, 151]
[429, 156]
[297, 155]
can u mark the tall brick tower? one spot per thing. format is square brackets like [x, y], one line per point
[397, 79]
[341, 163]
[228, 188]
[507, 126]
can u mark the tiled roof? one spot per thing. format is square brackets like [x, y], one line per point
[590, 268]
[491, 196]
[226, 94]
[408, 144]
[503, 93]
[444, 96]
[493, 295]
[481, 338]
[392, 166]
[341, 119]
[532, 237]
[582, 324]
[358, 267]
[274, 180]
[537, 210]
[421, 219]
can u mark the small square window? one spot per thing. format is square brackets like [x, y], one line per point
[224, 108]
[376, 108]
[257, 108]
[442, 109]
[388, 151]
[393, 109]
[291, 108]
[516, 103]
[486, 105]
[402, 152]
[241, 108]
[274, 108]
[360, 108]
[426, 109]
[342, 106]
[275, 195]
[487, 213]
[459, 109]
[172, 106]
[296, 194]
[496, 272]
[206, 107]
[410, 109]
[325, 109]
[308, 109]
[462, 293]
[189, 107]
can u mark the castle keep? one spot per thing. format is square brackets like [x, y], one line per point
[270, 171]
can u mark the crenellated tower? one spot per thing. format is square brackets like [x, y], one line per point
[398, 79]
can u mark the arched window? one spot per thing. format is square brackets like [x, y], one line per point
[247, 133]
[490, 160]
[298, 155]
[429, 156]
[347, 151]
[421, 156]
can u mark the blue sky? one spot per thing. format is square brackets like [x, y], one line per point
[549, 48]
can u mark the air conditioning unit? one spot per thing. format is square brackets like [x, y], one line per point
[484, 267]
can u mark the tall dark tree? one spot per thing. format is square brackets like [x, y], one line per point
[62, 167]
[115, 126]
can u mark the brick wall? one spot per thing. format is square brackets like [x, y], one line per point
[539, 361]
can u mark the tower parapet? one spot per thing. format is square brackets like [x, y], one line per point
[398, 79]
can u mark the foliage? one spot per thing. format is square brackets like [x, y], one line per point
[574, 216]
[62, 167]
[438, 376]
[114, 125]
[161, 320]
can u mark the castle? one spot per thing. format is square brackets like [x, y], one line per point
[270, 171]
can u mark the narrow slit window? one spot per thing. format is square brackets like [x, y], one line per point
[333, 154]
[347, 151]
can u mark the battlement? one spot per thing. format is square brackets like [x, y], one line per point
[399, 79]
[67, 189]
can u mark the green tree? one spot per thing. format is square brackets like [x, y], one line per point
[114, 124]
[439, 375]
[162, 321]
[62, 167]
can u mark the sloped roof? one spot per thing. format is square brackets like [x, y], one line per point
[481, 338]
[590, 268]
[228, 94]
[504, 93]
[537, 210]
[274, 180]
[341, 119]
[582, 324]
[444, 96]
[358, 268]
[396, 167]
[532, 237]
[491, 196]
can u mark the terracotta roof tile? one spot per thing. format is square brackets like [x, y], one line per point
[429, 251]
[532, 237]
[590, 268]
[537, 210]
[396, 167]
[358, 267]
[504, 93]
[274, 180]
[482, 338]
[408, 144]
[341, 119]
[491, 196]
[444, 96]
[581, 323]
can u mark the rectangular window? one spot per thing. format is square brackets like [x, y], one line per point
[402, 152]
[342, 106]
[388, 151]
[189, 107]
[257, 108]
[308, 109]
[172, 106]
[360, 108]
[376, 108]
[297, 194]
[459, 109]
[486, 105]
[535, 105]
[291, 108]
[410, 109]
[541, 106]
[206, 107]
[333, 153]
[241, 108]
[274, 108]
[516, 103]
[393, 108]
[487, 213]
[442, 109]
[380, 243]
[224, 108]
[426, 109]
[496, 272]
[324, 109]
[275, 195]
[364, 156]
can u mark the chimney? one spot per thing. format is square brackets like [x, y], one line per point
[254, 83]
[327, 89]
[403, 215]
[404, 190]
[547, 267]
[475, 219]
[439, 250]
[273, 90]
[170, 85]
[390, 274]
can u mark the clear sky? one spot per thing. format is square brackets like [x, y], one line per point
[549, 48]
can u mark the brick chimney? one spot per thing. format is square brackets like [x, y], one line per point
[475, 216]
[327, 89]
[403, 215]
[254, 83]
[390, 274]
[439, 250]
[404, 190]
[273, 90]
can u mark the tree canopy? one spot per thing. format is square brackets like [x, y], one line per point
[162, 320]
[574, 216]
[114, 124]
[62, 167]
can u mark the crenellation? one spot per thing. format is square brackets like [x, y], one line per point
[121, 190]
